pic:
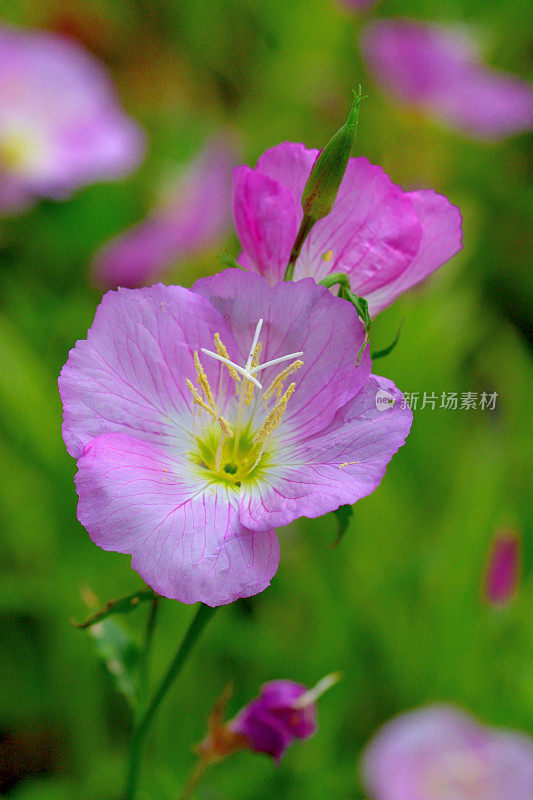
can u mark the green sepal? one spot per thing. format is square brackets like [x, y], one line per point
[343, 515]
[391, 346]
[361, 305]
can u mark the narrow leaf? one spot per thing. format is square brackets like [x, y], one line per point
[121, 606]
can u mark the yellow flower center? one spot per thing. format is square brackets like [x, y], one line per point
[235, 450]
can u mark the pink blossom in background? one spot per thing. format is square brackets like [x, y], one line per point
[61, 125]
[195, 215]
[503, 568]
[386, 240]
[440, 753]
[439, 69]
[189, 464]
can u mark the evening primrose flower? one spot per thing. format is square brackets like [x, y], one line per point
[440, 753]
[193, 215]
[60, 123]
[202, 419]
[438, 68]
[384, 239]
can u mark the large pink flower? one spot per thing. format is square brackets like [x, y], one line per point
[386, 240]
[194, 216]
[190, 471]
[440, 753]
[439, 69]
[60, 123]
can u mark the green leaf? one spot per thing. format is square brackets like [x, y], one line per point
[343, 515]
[119, 654]
[122, 606]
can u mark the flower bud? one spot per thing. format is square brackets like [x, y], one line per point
[503, 568]
[323, 184]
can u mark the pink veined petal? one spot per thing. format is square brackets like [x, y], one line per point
[266, 221]
[343, 463]
[290, 164]
[185, 539]
[372, 233]
[129, 375]
[441, 240]
[299, 316]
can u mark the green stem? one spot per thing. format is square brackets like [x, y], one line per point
[196, 627]
[305, 230]
[144, 669]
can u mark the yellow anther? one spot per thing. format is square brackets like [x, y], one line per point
[277, 384]
[204, 383]
[249, 395]
[274, 418]
[327, 256]
[221, 350]
[198, 399]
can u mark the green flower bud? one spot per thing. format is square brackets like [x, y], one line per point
[326, 176]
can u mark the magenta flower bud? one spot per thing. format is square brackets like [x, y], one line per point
[322, 187]
[283, 712]
[503, 568]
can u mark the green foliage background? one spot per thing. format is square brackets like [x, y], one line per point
[396, 607]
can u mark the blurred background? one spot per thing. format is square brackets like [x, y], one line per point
[397, 606]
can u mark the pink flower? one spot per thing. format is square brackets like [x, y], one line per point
[384, 239]
[191, 480]
[439, 69]
[60, 124]
[503, 568]
[195, 216]
[439, 753]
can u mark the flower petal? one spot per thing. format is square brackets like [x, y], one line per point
[372, 234]
[185, 540]
[266, 221]
[441, 240]
[299, 316]
[342, 464]
[129, 375]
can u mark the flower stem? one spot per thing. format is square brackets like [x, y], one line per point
[202, 617]
[305, 230]
[144, 670]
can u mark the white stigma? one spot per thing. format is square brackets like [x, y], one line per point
[312, 695]
[248, 371]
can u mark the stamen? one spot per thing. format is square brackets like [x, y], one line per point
[276, 361]
[239, 369]
[274, 418]
[312, 695]
[277, 384]
[198, 399]
[327, 256]
[221, 350]
[249, 394]
[203, 382]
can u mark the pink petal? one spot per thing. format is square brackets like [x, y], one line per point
[372, 234]
[196, 216]
[441, 240]
[129, 375]
[342, 464]
[298, 316]
[439, 68]
[266, 221]
[185, 542]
